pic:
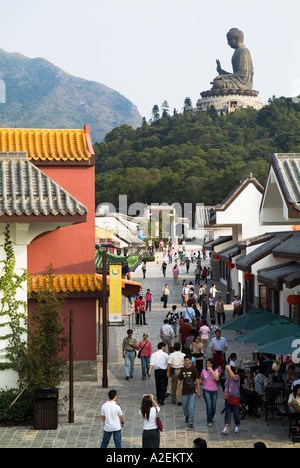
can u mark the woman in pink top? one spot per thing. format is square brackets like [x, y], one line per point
[205, 331]
[145, 348]
[209, 377]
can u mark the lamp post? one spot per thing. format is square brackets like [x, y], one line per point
[105, 324]
[71, 367]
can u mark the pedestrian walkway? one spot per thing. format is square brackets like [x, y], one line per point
[87, 430]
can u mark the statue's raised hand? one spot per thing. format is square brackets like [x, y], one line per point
[219, 68]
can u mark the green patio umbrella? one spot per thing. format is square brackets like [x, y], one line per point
[289, 345]
[252, 320]
[280, 328]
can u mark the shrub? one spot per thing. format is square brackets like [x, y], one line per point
[20, 411]
[148, 259]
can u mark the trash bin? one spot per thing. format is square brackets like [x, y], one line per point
[46, 408]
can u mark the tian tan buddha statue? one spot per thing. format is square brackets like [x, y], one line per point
[242, 76]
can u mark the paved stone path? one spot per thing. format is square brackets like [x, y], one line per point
[87, 430]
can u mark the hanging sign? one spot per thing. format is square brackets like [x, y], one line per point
[115, 293]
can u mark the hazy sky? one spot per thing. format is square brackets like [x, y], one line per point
[152, 50]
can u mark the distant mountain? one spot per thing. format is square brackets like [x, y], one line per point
[41, 95]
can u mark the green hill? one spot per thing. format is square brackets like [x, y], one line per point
[194, 157]
[41, 95]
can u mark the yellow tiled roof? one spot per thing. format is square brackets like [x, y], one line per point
[66, 283]
[46, 145]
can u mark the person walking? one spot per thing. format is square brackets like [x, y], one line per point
[184, 332]
[175, 364]
[148, 300]
[219, 347]
[159, 361]
[189, 379]
[149, 411]
[164, 268]
[196, 349]
[113, 419]
[213, 290]
[219, 308]
[209, 378]
[166, 333]
[204, 332]
[138, 319]
[197, 275]
[173, 318]
[185, 293]
[232, 399]
[144, 269]
[204, 306]
[204, 274]
[175, 274]
[187, 265]
[129, 353]
[144, 353]
[142, 308]
[190, 315]
[166, 295]
[211, 305]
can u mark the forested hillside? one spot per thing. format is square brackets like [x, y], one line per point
[194, 157]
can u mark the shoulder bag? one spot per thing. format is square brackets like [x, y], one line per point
[139, 353]
[158, 422]
[231, 400]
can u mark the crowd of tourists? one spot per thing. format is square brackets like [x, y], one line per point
[191, 359]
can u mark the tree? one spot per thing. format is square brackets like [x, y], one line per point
[43, 366]
[155, 113]
[187, 106]
[165, 109]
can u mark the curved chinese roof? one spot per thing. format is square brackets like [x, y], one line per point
[45, 145]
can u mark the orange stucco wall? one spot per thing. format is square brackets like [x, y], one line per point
[84, 312]
[70, 249]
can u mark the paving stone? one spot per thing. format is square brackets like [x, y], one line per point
[87, 430]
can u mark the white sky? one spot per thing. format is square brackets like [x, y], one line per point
[152, 50]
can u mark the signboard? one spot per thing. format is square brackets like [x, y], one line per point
[115, 293]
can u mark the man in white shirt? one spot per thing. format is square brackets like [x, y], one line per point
[159, 361]
[166, 333]
[113, 419]
[213, 290]
[185, 293]
[175, 364]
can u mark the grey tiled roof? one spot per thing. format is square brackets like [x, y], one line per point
[25, 190]
[288, 170]
[261, 252]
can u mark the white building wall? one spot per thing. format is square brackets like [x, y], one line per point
[9, 378]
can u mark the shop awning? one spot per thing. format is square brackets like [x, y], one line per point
[228, 254]
[214, 243]
[290, 249]
[276, 276]
[245, 263]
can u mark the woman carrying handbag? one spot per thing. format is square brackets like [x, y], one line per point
[232, 399]
[152, 424]
[144, 353]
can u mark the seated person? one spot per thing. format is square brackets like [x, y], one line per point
[290, 377]
[294, 399]
[261, 380]
[248, 393]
